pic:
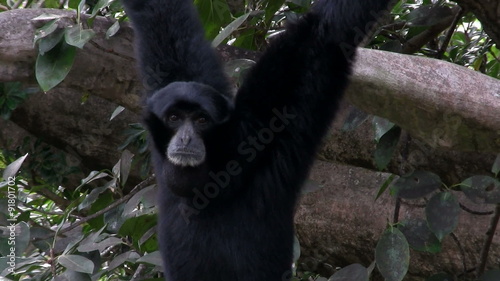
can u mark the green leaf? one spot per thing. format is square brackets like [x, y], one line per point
[11, 104]
[229, 29]
[11, 170]
[153, 258]
[392, 255]
[133, 202]
[54, 66]
[381, 126]
[91, 197]
[301, 3]
[246, 39]
[386, 146]
[94, 175]
[47, 43]
[45, 30]
[113, 29]
[45, 17]
[75, 5]
[419, 236]
[214, 15]
[22, 237]
[442, 212]
[114, 218]
[71, 275]
[80, 6]
[125, 165]
[481, 189]
[355, 272]
[119, 109]
[39, 233]
[429, 15]
[460, 38]
[137, 226]
[76, 263]
[78, 37]
[51, 4]
[394, 46]
[129, 256]
[147, 236]
[385, 185]
[415, 185]
[354, 119]
[100, 5]
[21, 232]
[272, 7]
[101, 246]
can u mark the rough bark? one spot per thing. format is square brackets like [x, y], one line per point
[444, 104]
[341, 223]
[436, 96]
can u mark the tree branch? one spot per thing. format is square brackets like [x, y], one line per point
[429, 98]
[487, 243]
[113, 205]
[444, 106]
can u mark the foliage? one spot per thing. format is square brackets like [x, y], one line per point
[442, 211]
[466, 44]
[57, 45]
[103, 228]
[98, 233]
[12, 95]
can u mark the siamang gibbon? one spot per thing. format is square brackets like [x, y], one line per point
[229, 169]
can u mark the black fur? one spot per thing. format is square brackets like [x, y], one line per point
[231, 218]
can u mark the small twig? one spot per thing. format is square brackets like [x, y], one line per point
[4, 8]
[136, 189]
[493, 54]
[396, 211]
[110, 51]
[40, 210]
[417, 42]
[478, 213]
[450, 32]
[470, 270]
[413, 204]
[138, 273]
[487, 243]
[461, 249]
[47, 193]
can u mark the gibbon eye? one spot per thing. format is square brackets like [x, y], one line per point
[173, 118]
[201, 120]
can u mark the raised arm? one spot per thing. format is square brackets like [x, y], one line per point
[305, 71]
[170, 45]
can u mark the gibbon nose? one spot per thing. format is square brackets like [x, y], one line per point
[185, 139]
[187, 134]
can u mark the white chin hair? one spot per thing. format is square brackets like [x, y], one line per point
[185, 161]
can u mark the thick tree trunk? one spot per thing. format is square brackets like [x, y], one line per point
[341, 223]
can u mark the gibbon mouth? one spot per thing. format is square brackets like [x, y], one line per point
[186, 153]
